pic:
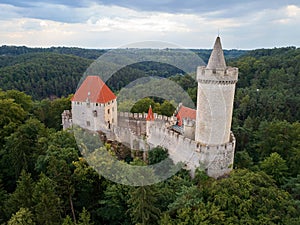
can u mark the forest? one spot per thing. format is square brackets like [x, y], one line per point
[45, 180]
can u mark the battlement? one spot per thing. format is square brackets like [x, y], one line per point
[216, 160]
[143, 116]
[217, 76]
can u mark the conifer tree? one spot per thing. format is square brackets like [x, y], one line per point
[47, 203]
[142, 205]
[68, 221]
[84, 218]
[22, 217]
[22, 196]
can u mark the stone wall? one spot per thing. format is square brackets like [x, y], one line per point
[214, 105]
[135, 132]
[216, 160]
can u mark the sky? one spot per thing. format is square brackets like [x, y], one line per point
[241, 24]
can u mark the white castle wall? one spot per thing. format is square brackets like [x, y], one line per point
[216, 160]
[94, 116]
[66, 119]
[110, 112]
[214, 105]
[189, 128]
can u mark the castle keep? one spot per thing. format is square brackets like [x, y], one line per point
[198, 138]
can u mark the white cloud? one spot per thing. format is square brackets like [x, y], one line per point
[97, 25]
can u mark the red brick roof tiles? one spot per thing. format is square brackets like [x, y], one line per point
[94, 89]
[185, 112]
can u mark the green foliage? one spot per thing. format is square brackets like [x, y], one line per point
[43, 75]
[10, 51]
[293, 187]
[265, 123]
[167, 108]
[3, 198]
[22, 217]
[12, 115]
[25, 101]
[67, 221]
[157, 154]
[243, 198]
[84, 218]
[114, 205]
[248, 197]
[23, 146]
[281, 137]
[142, 206]
[243, 160]
[49, 111]
[143, 106]
[275, 166]
[22, 196]
[47, 204]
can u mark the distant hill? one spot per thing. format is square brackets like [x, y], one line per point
[81, 52]
[56, 71]
[42, 75]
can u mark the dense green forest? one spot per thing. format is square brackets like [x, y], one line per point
[45, 180]
[55, 72]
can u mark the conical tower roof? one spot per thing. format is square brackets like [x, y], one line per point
[217, 60]
[150, 115]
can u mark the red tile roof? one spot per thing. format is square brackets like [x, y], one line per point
[94, 89]
[185, 112]
[150, 116]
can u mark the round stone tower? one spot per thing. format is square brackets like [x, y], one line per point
[216, 87]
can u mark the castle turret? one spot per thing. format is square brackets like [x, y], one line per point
[216, 87]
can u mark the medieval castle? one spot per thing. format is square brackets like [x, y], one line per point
[199, 138]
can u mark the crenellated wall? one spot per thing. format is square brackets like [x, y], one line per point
[134, 131]
[216, 160]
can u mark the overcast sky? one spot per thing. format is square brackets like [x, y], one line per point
[242, 24]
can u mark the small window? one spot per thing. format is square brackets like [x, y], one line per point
[108, 111]
[88, 123]
[113, 109]
[112, 120]
[95, 113]
[96, 104]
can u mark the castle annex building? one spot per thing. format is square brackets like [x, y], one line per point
[199, 138]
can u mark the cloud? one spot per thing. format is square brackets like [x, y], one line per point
[243, 24]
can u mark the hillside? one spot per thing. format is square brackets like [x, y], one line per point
[42, 75]
[45, 180]
[55, 72]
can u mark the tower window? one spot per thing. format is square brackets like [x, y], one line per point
[88, 123]
[108, 111]
[95, 113]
